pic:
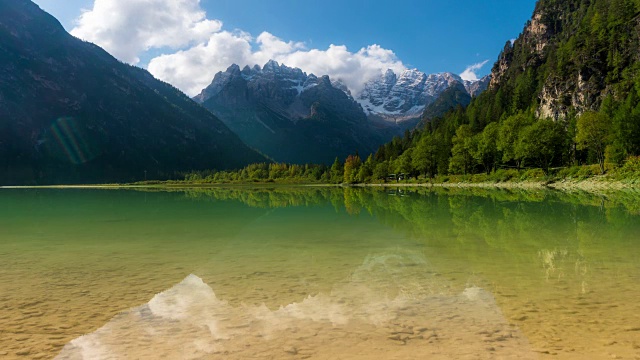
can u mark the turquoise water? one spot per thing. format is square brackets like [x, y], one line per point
[318, 273]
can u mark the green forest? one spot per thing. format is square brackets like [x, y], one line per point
[564, 101]
[591, 52]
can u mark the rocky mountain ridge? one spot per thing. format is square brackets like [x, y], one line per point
[391, 97]
[404, 97]
[289, 115]
[278, 85]
[262, 104]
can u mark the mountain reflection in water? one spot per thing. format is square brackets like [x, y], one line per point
[392, 306]
[319, 272]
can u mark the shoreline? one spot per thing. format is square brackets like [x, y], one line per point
[593, 185]
[587, 185]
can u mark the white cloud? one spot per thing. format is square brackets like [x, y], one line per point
[126, 28]
[470, 72]
[272, 47]
[197, 48]
[354, 69]
[193, 69]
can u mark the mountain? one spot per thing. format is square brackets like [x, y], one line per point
[571, 56]
[276, 108]
[289, 115]
[71, 113]
[565, 92]
[575, 57]
[456, 95]
[402, 99]
[475, 88]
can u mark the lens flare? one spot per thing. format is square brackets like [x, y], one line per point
[71, 140]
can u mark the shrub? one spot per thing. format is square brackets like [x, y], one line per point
[631, 167]
[613, 156]
[587, 171]
[503, 175]
[533, 174]
[568, 173]
[479, 178]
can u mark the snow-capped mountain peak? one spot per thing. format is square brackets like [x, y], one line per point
[272, 75]
[390, 96]
[401, 97]
[404, 95]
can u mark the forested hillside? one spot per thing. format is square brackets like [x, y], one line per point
[71, 113]
[565, 92]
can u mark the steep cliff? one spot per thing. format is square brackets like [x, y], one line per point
[570, 56]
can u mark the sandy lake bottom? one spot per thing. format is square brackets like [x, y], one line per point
[318, 273]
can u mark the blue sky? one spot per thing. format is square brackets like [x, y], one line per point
[433, 36]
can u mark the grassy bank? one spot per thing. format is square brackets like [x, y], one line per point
[581, 178]
[577, 180]
[587, 178]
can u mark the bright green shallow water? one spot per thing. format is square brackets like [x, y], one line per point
[318, 273]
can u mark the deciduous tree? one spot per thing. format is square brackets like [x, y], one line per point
[593, 134]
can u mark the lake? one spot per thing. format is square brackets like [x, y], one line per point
[318, 273]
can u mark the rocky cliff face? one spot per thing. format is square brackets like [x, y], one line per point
[570, 56]
[290, 115]
[70, 112]
[499, 70]
[534, 39]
